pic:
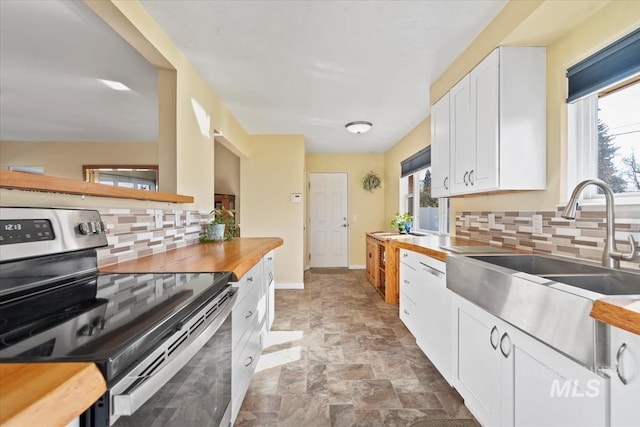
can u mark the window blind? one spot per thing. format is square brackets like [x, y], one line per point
[420, 160]
[614, 63]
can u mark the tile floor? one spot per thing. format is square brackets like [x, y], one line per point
[339, 356]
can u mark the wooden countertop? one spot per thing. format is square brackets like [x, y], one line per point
[237, 256]
[47, 394]
[623, 313]
[53, 394]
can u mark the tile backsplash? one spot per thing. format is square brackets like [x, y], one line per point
[582, 238]
[132, 233]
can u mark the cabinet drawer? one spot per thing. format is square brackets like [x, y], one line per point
[247, 283]
[408, 312]
[419, 261]
[244, 365]
[245, 318]
[410, 283]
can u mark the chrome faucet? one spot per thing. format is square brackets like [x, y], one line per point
[611, 256]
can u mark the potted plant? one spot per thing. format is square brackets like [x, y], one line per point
[402, 222]
[222, 218]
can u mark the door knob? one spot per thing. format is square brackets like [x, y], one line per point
[345, 225]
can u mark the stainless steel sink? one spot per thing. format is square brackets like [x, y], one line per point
[541, 265]
[515, 289]
[613, 283]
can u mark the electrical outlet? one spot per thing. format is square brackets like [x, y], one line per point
[536, 224]
[176, 218]
[467, 221]
[354, 217]
[492, 220]
[187, 218]
[158, 217]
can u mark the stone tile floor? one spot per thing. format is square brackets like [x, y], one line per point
[339, 356]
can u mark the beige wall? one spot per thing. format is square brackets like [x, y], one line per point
[414, 141]
[227, 172]
[268, 175]
[368, 207]
[65, 159]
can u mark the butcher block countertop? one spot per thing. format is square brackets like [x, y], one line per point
[237, 256]
[54, 394]
[47, 394]
[623, 312]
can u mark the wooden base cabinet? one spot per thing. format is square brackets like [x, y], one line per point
[508, 378]
[382, 270]
[625, 378]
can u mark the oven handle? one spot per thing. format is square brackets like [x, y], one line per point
[127, 404]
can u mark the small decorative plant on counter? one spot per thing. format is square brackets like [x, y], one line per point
[402, 222]
[222, 227]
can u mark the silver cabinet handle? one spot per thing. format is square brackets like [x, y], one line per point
[249, 314]
[470, 174]
[505, 354]
[250, 279]
[464, 178]
[249, 361]
[406, 281]
[621, 350]
[431, 270]
[404, 254]
[407, 313]
[494, 330]
[445, 183]
[270, 258]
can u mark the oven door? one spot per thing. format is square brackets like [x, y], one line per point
[186, 382]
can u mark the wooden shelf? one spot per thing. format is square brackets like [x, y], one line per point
[51, 184]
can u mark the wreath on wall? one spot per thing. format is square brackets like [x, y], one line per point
[371, 181]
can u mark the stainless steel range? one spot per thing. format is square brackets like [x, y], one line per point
[145, 332]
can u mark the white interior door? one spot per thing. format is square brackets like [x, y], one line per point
[328, 220]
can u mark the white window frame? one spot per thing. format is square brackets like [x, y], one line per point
[582, 152]
[443, 206]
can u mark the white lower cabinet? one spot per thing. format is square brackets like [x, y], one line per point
[249, 327]
[508, 378]
[625, 378]
[425, 307]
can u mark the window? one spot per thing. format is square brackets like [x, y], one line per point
[429, 214]
[604, 120]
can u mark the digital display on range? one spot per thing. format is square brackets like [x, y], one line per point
[25, 230]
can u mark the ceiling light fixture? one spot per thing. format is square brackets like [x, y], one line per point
[114, 85]
[358, 127]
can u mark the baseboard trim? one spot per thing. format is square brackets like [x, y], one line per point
[357, 267]
[289, 285]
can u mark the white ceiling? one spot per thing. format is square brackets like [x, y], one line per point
[52, 54]
[309, 67]
[281, 67]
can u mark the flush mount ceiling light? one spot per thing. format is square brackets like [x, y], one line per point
[358, 127]
[114, 85]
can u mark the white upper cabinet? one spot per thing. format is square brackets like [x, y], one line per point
[497, 126]
[440, 182]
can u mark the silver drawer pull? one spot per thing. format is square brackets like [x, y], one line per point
[250, 279]
[432, 270]
[406, 281]
[249, 314]
[404, 254]
[407, 313]
[270, 258]
[621, 350]
[505, 353]
[249, 361]
[491, 335]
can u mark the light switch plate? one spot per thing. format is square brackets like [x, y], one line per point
[158, 217]
[536, 224]
[187, 218]
[176, 218]
[492, 220]
[467, 221]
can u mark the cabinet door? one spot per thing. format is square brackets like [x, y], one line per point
[484, 87]
[481, 370]
[434, 331]
[570, 394]
[371, 260]
[625, 360]
[462, 140]
[440, 147]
